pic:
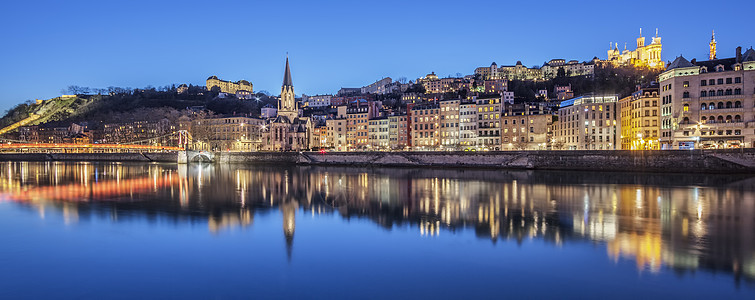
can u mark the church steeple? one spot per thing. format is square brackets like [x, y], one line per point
[287, 77]
[712, 44]
[287, 102]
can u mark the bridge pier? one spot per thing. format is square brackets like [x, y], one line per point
[194, 156]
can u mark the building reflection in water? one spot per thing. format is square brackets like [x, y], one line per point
[684, 222]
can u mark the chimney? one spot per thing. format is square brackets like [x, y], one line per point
[739, 54]
[693, 61]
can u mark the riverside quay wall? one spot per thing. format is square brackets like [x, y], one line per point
[667, 161]
[121, 157]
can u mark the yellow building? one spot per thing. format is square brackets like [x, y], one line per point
[640, 120]
[227, 86]
[644, 56]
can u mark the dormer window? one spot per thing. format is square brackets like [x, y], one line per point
[703, 69]
[738, 67]
[719, 68]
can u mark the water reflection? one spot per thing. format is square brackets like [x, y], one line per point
[683, 222]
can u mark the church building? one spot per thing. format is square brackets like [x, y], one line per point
[289, 131]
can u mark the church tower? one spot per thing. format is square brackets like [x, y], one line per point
[287, 103]
[712, 55]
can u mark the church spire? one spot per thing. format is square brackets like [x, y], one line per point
[287, 77]
[712, 45]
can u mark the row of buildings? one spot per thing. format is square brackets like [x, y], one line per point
[694, 104]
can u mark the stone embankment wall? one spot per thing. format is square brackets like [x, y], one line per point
[682, 161]
[122, 157]
[673, 161]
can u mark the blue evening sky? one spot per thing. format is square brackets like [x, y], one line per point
[48, 45]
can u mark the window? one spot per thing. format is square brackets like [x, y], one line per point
[737, 91]
[686, 83]
[703, 94]
[720, 81]
[737, 79]
[728, 80]
[712, 82]
[685, 95]
[703, 83]
[686, 108]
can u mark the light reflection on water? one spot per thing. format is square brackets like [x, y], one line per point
[662, 223]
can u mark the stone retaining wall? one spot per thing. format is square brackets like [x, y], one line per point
[124, 157]
[672, 161]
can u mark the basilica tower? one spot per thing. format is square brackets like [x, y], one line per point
[287, 103]
[712, 44]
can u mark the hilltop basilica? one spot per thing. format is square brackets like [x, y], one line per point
[647, 56]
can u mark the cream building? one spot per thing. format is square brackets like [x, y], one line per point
[648, 56]
[588, 123]
[449, 124]
[709, 104]
[234, 134]
[468, 125]
[336, 128]
[228, 86]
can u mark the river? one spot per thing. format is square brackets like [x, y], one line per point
[138, 230]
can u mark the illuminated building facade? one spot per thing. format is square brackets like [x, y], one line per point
[640, 120]
[526, 131]
[644, 56]
[336, 129]
[397, 132]
[425, 126]
[228, 86]
[708, 104]
[449, 124]
[468, 125]
[588, 123]
[235, 134]
[489, 123]
[378, 133]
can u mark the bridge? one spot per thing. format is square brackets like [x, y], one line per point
[151, 145]
[82, 148]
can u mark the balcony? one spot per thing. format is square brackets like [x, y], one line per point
[715, 98]
[722, 110]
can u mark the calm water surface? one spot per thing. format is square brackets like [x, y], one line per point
[111, 230]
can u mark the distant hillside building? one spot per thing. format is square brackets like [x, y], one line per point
[377, 87]
[316, 100]
[648, 56]
[227, 86]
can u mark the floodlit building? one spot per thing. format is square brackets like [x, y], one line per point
[588, 123]
[648, 56]
[640, 120]
[489, 123]
[228, 86]
[708, 104]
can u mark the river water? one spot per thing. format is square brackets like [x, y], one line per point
[117, 230]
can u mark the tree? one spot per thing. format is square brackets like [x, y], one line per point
[77, 90]
[520, 143]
